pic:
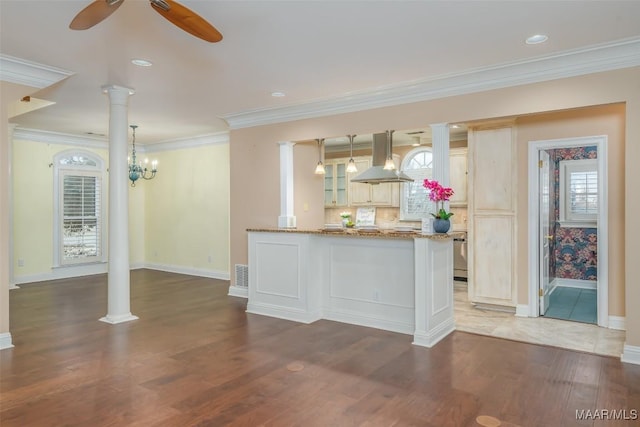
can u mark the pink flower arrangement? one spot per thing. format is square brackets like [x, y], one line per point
[438, 194]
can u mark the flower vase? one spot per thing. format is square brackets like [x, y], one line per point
[441, 225]
[345, 221]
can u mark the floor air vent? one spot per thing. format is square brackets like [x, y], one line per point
[242, 276]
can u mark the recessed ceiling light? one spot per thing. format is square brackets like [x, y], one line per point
[536, 39]
[277, 94]
[141, 62]
[455, 126]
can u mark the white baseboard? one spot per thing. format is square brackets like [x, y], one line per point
[354, 318]
[292, 314]
[5, 340]
[576, 283]
[433, 337]
[102, 268]
[631, 354]
[238, 291]
[200, 272]
[522, 310]
[66, 272]
[617, 322]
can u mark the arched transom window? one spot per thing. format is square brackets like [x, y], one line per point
[414, 200]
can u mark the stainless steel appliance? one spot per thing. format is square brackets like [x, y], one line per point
[460, 257]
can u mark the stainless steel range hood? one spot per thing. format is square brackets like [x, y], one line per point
[376, 174]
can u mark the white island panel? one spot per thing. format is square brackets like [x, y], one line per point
[369, 282]
[281, 279]
[397, 282]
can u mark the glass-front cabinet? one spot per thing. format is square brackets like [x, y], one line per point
[335, 183]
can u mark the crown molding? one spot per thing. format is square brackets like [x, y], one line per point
[49, 137]
[597, 58]
[23, 72]
[189, 142]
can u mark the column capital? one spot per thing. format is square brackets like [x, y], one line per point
[118, 93]
[286, 143]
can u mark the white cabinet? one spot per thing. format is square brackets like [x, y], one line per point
[360, 194]
[458, 176]
[492, 207]
[335, 183]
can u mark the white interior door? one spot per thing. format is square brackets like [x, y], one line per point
[545, 236]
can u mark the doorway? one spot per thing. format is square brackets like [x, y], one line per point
[568, 229]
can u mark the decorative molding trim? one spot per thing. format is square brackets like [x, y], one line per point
[522, 310]
[5, 340]
[576, 283]
[433, 337]
[293, 314]
[49, 137]
[97, 142]
[63, 273]
[597, 58]
[217, 138]
[28, 73]
[618, 323]
[630, 354]
[368, 321]
[200, 272]
[238, 291]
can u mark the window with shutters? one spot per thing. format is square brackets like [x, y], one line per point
[578, 193]
[78, 194]
[414, 198]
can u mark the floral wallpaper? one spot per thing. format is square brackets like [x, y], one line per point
[575, 250]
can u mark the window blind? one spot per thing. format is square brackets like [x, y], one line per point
[583, 186]
[81, 219]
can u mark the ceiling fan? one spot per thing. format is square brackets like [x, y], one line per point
[174, 12]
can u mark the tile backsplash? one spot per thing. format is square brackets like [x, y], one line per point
[389, 217]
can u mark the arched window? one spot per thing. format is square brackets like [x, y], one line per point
[78, 201]
[414, 198]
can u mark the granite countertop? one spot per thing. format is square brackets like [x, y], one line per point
[352, 232]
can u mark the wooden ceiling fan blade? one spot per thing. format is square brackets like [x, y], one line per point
[186, 19]
[95, 13]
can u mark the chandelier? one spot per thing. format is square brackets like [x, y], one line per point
[138, 170]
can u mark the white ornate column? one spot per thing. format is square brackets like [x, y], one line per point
[286, 218]
[118, 305]
[12, 127]
[440, 144]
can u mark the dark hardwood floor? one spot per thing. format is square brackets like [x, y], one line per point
[195, 358]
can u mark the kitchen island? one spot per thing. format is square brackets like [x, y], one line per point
[401, 282]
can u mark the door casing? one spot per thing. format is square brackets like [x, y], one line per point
[600, 141]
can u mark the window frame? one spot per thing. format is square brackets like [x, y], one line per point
[60, 171]
[567, 218]
[404, 214]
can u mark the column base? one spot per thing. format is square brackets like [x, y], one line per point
[286, 222]
[5, 340]
[121, 318]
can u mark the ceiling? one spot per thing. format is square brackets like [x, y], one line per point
[310, 50]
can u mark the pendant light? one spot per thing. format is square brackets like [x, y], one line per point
[320, 167]
[351, 166]
[389, 164]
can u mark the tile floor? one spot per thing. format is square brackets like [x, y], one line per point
[579, 305]
[542, 330]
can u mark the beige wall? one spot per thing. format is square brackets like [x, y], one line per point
[33, 183]
[178, 219]
[187, 209]
[254, 154]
